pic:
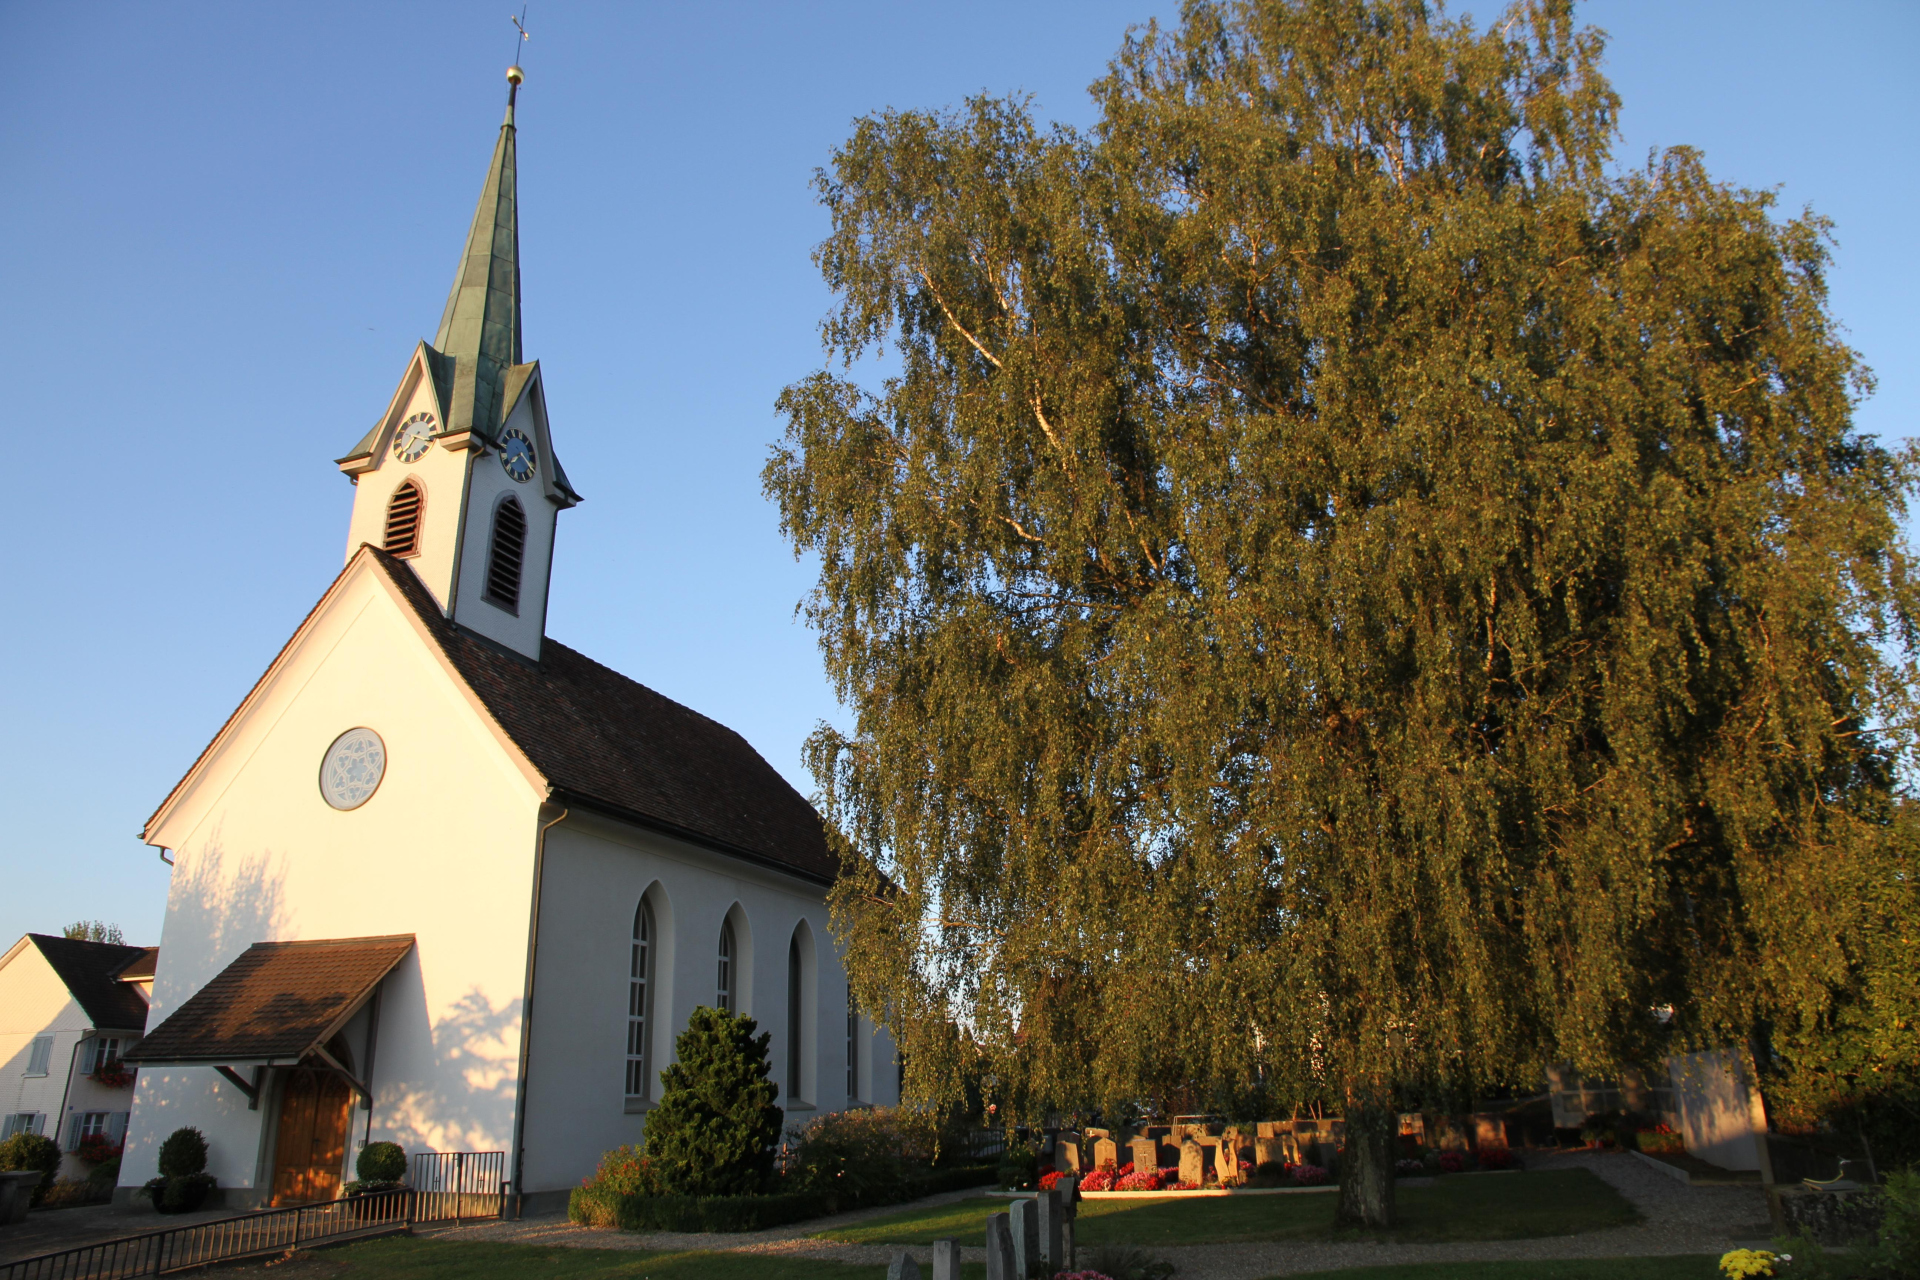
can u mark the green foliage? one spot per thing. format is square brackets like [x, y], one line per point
[94, 931]
[866, 1156]
[183, 1153]
[104, 1177]
[1343, 590]
[381, 1162]
[1126, 1262]
[25, 1151]
[1019, 1165]
[715, 1128]
[180, 1193]
[600, 1206]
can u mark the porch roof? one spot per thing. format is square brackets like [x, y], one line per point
[277, 1002]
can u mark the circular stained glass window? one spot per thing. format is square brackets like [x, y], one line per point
[352, 768]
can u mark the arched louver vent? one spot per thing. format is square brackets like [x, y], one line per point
[509, 547]
[403, 520]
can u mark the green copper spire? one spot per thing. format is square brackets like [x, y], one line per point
[480, 328]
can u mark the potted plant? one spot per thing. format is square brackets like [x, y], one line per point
[184, 1183]
[381, 1166]
[112, 1075]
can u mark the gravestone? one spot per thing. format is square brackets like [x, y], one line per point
[946, 1260]
[1226, 1164]
[903, 1267]
[1146, 1154]
[1106, 1153]
[1066, 1155]
[1023, 1221]
[1193, 1162]
[1000, 1260]
[1050, 1229]
[1276, 1150]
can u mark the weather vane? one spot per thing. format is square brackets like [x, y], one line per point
[519, 25]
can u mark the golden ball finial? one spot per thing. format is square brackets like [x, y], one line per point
[515, 75]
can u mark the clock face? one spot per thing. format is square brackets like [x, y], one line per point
[351, 770]
[516, 455]
[414, 438]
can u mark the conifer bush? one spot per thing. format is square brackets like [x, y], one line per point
[715, 1129]
[184, 1183]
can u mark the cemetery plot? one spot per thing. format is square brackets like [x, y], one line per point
[1472, 1207]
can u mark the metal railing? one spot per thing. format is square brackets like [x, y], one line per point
[452, 1185]
[247, 1235]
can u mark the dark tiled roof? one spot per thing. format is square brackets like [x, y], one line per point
[91, 971]
[276, 1000]
[141, 966]
[610, 742]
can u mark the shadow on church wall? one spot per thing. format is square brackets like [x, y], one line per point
[218, 906]
[463, 1099]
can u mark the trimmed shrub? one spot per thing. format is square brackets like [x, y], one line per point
[183, 1184]
[381, 1162]
[598, 1206]
[105, 1176]
[957, 1178]
[715, 1129]
[183, 1154]
[24, 1151]
[864, 1157]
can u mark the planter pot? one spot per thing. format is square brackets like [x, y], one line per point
[16, 1194]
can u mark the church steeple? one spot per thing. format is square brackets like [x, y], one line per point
[458, 476]
[480, 329]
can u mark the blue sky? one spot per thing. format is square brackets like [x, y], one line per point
[228, 224]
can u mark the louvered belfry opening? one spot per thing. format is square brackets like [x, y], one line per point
[509, 547]
[403, 520]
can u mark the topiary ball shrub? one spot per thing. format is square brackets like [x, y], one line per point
[184, 1183]
[715, 1129]
[381, 1162]
[24, 1151]
[183, 1154]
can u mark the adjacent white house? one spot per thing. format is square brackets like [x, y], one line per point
[443, 880]
[69, 1012]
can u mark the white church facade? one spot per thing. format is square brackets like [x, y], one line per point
[444, 881]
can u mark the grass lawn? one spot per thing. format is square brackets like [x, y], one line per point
[1692, 1266]
[407, 1258]
[1504, 1207]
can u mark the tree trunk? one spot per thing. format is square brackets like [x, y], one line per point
[1366, 1170]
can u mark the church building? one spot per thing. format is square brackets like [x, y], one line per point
[442, 880]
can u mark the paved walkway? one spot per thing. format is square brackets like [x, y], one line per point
[50, 1230]
[1678, 1219]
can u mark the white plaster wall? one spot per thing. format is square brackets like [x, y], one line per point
[596, 872]
[486, 486]
[34, 1002]
[442, 850]
[441, 473]
[1716, 1109]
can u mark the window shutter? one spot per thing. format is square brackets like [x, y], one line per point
[117, 1127]
[73, 1133]
[42, 1051]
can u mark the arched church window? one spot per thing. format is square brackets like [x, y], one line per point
[724, 999]
[640, 1002]
[794, 1018]
[403, 520]
[853, 1043]
[509, 546]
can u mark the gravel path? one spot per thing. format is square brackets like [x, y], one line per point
[1679, 1219]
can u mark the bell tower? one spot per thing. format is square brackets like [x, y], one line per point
[458, 476]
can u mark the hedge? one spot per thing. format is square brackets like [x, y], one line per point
[593, 1206]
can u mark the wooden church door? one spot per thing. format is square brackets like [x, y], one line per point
[316, 1111]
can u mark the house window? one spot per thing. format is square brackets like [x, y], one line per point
[403, 520]
[93, 1124]
[20, 1122]
[793, 1019]
[39, 1056]
[509, 546]
[639, 1001]
[104, 1051]
[724, 998]
[853, 1032]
